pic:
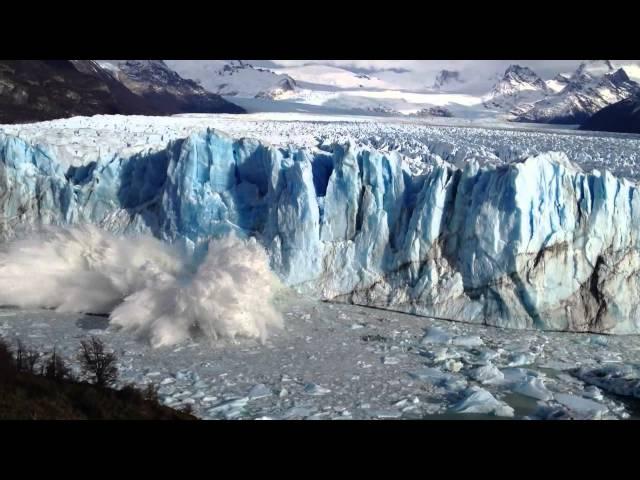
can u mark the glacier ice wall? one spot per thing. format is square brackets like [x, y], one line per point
[536, 243]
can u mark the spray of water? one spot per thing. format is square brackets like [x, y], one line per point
[147, 286]
[229, 295]
[82, 269]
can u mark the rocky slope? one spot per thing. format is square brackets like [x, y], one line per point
[447, 80]
[623, 116]
[36, 90]
[165, 90]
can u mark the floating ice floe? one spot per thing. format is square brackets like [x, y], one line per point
[533, 387]
[435, 376]
[621, 379]
[298, 412]
[488, 374]
[389, 360]
[259, 391]
[316, 390]
[453, 365]
[581, 405]
[520, 359]
[468, 341]
[229, 409]
[479, 400]
[483, 356]
[382, 414]
[436, 335]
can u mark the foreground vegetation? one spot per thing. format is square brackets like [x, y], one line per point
[36, 386]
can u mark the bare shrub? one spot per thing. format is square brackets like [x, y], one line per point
[26, 358]
[97, 363]
[151, 393]
[7, 362]
[56, 368]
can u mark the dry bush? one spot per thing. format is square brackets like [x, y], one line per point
[56, 368]
[26, 358]
[97, 363]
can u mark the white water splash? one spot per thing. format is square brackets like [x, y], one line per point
[229, 295]
[146, 285]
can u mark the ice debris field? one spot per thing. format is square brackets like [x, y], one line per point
[532, 230]
[333, 361]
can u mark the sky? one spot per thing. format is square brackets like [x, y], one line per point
[416, 74]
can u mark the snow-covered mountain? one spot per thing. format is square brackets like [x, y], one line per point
[34, 90]
[447, 80]
[623, 116]
[327, 77]
[517, 94]
[517, 90]
[165, 89]
[593, 86]
[557, 83]
[234, 78]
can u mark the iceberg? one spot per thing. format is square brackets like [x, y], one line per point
[535, 244]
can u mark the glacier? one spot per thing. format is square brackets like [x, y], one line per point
[536, 243]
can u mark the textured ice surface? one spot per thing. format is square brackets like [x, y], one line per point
[80, 140]
[319, 367]
[453, 222]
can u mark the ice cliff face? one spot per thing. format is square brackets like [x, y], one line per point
[532, 244]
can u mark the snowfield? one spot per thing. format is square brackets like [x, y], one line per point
[79, 140]
[503, 225]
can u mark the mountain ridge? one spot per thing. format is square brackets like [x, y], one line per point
[38, 90]
[622, 117]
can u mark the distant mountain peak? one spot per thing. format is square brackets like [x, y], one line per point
[523, 75]
[618, 77]
[36, 90]
[561, 78]
[518, 86]
[235, 78]
[594, 68]
[593, 86]
[447, 78]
